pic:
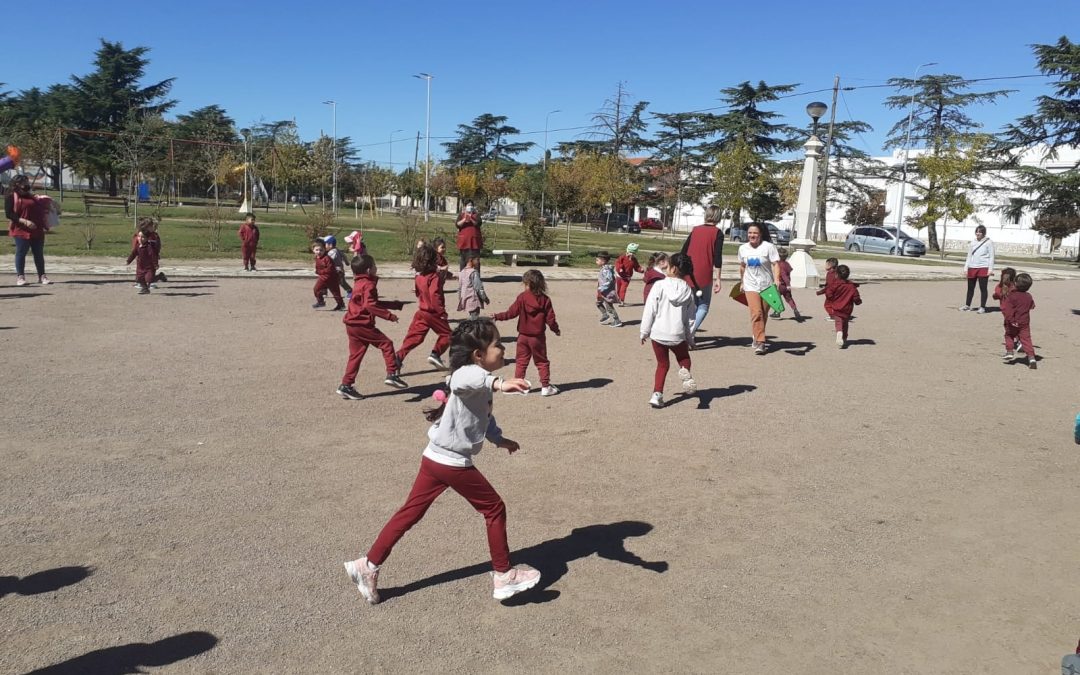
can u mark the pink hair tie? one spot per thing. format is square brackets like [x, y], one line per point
[439, 396]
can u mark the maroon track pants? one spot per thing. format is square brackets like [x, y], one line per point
[1024, 335]
[422, 322]
[663, 362]
[841, 324]
[324, 285]
[535, 348]
[620, 288]
[248, 252]
[144, 276]
[360, 339]
[431, 481]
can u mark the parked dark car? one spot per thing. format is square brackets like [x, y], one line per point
[614, 222]
[779, 236]
[873, 239]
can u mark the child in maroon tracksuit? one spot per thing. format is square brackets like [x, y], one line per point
[143, 253]
[431, 313]
[625, 266]
[841, 299]
[658, 262]
[784, 285]
[830, 281]
[155, 241]
[327, 278]
[249, 241]
[359, 320]
[1002, 290]
[534, 313]
[1017, 307]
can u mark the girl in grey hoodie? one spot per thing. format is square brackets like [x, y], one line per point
[668, 322]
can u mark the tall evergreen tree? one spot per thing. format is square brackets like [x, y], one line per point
[938, 117]
[484, 141]
[103, 101]
[682, 179]
[1056, 120]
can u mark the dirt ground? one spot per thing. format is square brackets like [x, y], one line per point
[180, 487]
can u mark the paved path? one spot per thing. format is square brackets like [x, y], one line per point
[869, 270]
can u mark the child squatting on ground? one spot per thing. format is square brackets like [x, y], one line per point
[606, 297]
[359, 320]
[469, 287]
[535, 315]
[143, 252]
[668, 320]
[830, 280]
[460, 425]
[840, 299]
[431, 309]
[1017, 307]
[625, 266]
[327, 278]
[784, 285]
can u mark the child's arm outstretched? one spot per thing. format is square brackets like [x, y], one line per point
[511, 313]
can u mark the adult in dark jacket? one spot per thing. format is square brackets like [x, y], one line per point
[705, 246]
[26, 226]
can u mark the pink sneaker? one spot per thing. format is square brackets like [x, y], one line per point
[517, 579]
[20, 280]
[365, 578]
[44, 280]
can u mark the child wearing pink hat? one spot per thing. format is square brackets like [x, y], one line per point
[355, 240]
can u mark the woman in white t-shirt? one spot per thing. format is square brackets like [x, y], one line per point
[759, 268]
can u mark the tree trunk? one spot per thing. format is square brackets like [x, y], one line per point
[112, 184]
[944, 232]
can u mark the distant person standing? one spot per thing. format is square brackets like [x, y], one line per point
[705, 246]
[249, 241]
[470, 241]
[978, 267]
[759, 268]
[26, 226]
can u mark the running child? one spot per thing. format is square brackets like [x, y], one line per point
[1002, 290]
[841, 299]
[359, 322]
[1017, 307]
[143, 253]
[830, 280]
[625, 266]
[149, 226]
[469, 287]
[327, 278]
[340, 261]
[535, 315]
[657, 263]
[668, 320]
[249, 241]
[460, 425]
[606, 297]
[431, 312]
[784, 285]
[355, 240]
[441, 263]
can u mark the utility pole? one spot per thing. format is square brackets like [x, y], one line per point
[821, 229]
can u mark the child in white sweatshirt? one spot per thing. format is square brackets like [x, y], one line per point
[667, 320]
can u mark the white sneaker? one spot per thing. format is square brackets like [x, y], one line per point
[840, 339]
[518, 579]
[761, 348]
[365, 577]
[981, 310]
[434, 360]
[965, 308]
[657, 400]
[44, 280]
[20, 280]
[549, 390]
[688, 384]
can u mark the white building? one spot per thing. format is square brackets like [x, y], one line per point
[1014, 236]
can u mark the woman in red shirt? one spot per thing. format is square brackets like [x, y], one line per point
[26, 227]
[470, 241]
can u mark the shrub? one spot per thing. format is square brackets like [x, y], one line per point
[536, 235]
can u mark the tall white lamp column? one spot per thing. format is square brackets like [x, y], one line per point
[803, 271]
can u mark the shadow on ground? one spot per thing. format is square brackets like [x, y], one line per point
[16, 296]
[705, 397]
[592, 383]
[552, 558]
[44, 582]
[131, 658]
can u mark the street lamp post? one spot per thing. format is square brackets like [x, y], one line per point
[543, 188]
[907, 145]
[333, 192]
[427, 146]
[803, 271]
[246, 207]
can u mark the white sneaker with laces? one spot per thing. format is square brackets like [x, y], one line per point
[20, 280]
[434, 360]
[981, 310]
[516, 580]
[840, 339]
[366, 578]
[688, 384]
[549, 390]
[44, 280]
[965, 308]
[657, 400]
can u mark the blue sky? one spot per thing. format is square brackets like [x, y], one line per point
[275, 60]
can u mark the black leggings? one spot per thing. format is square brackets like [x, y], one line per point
[982, 290]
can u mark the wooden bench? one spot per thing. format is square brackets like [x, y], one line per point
[104, 200]
[510, 257]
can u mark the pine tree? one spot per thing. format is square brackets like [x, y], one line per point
[484, 141]
[1056, 121]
